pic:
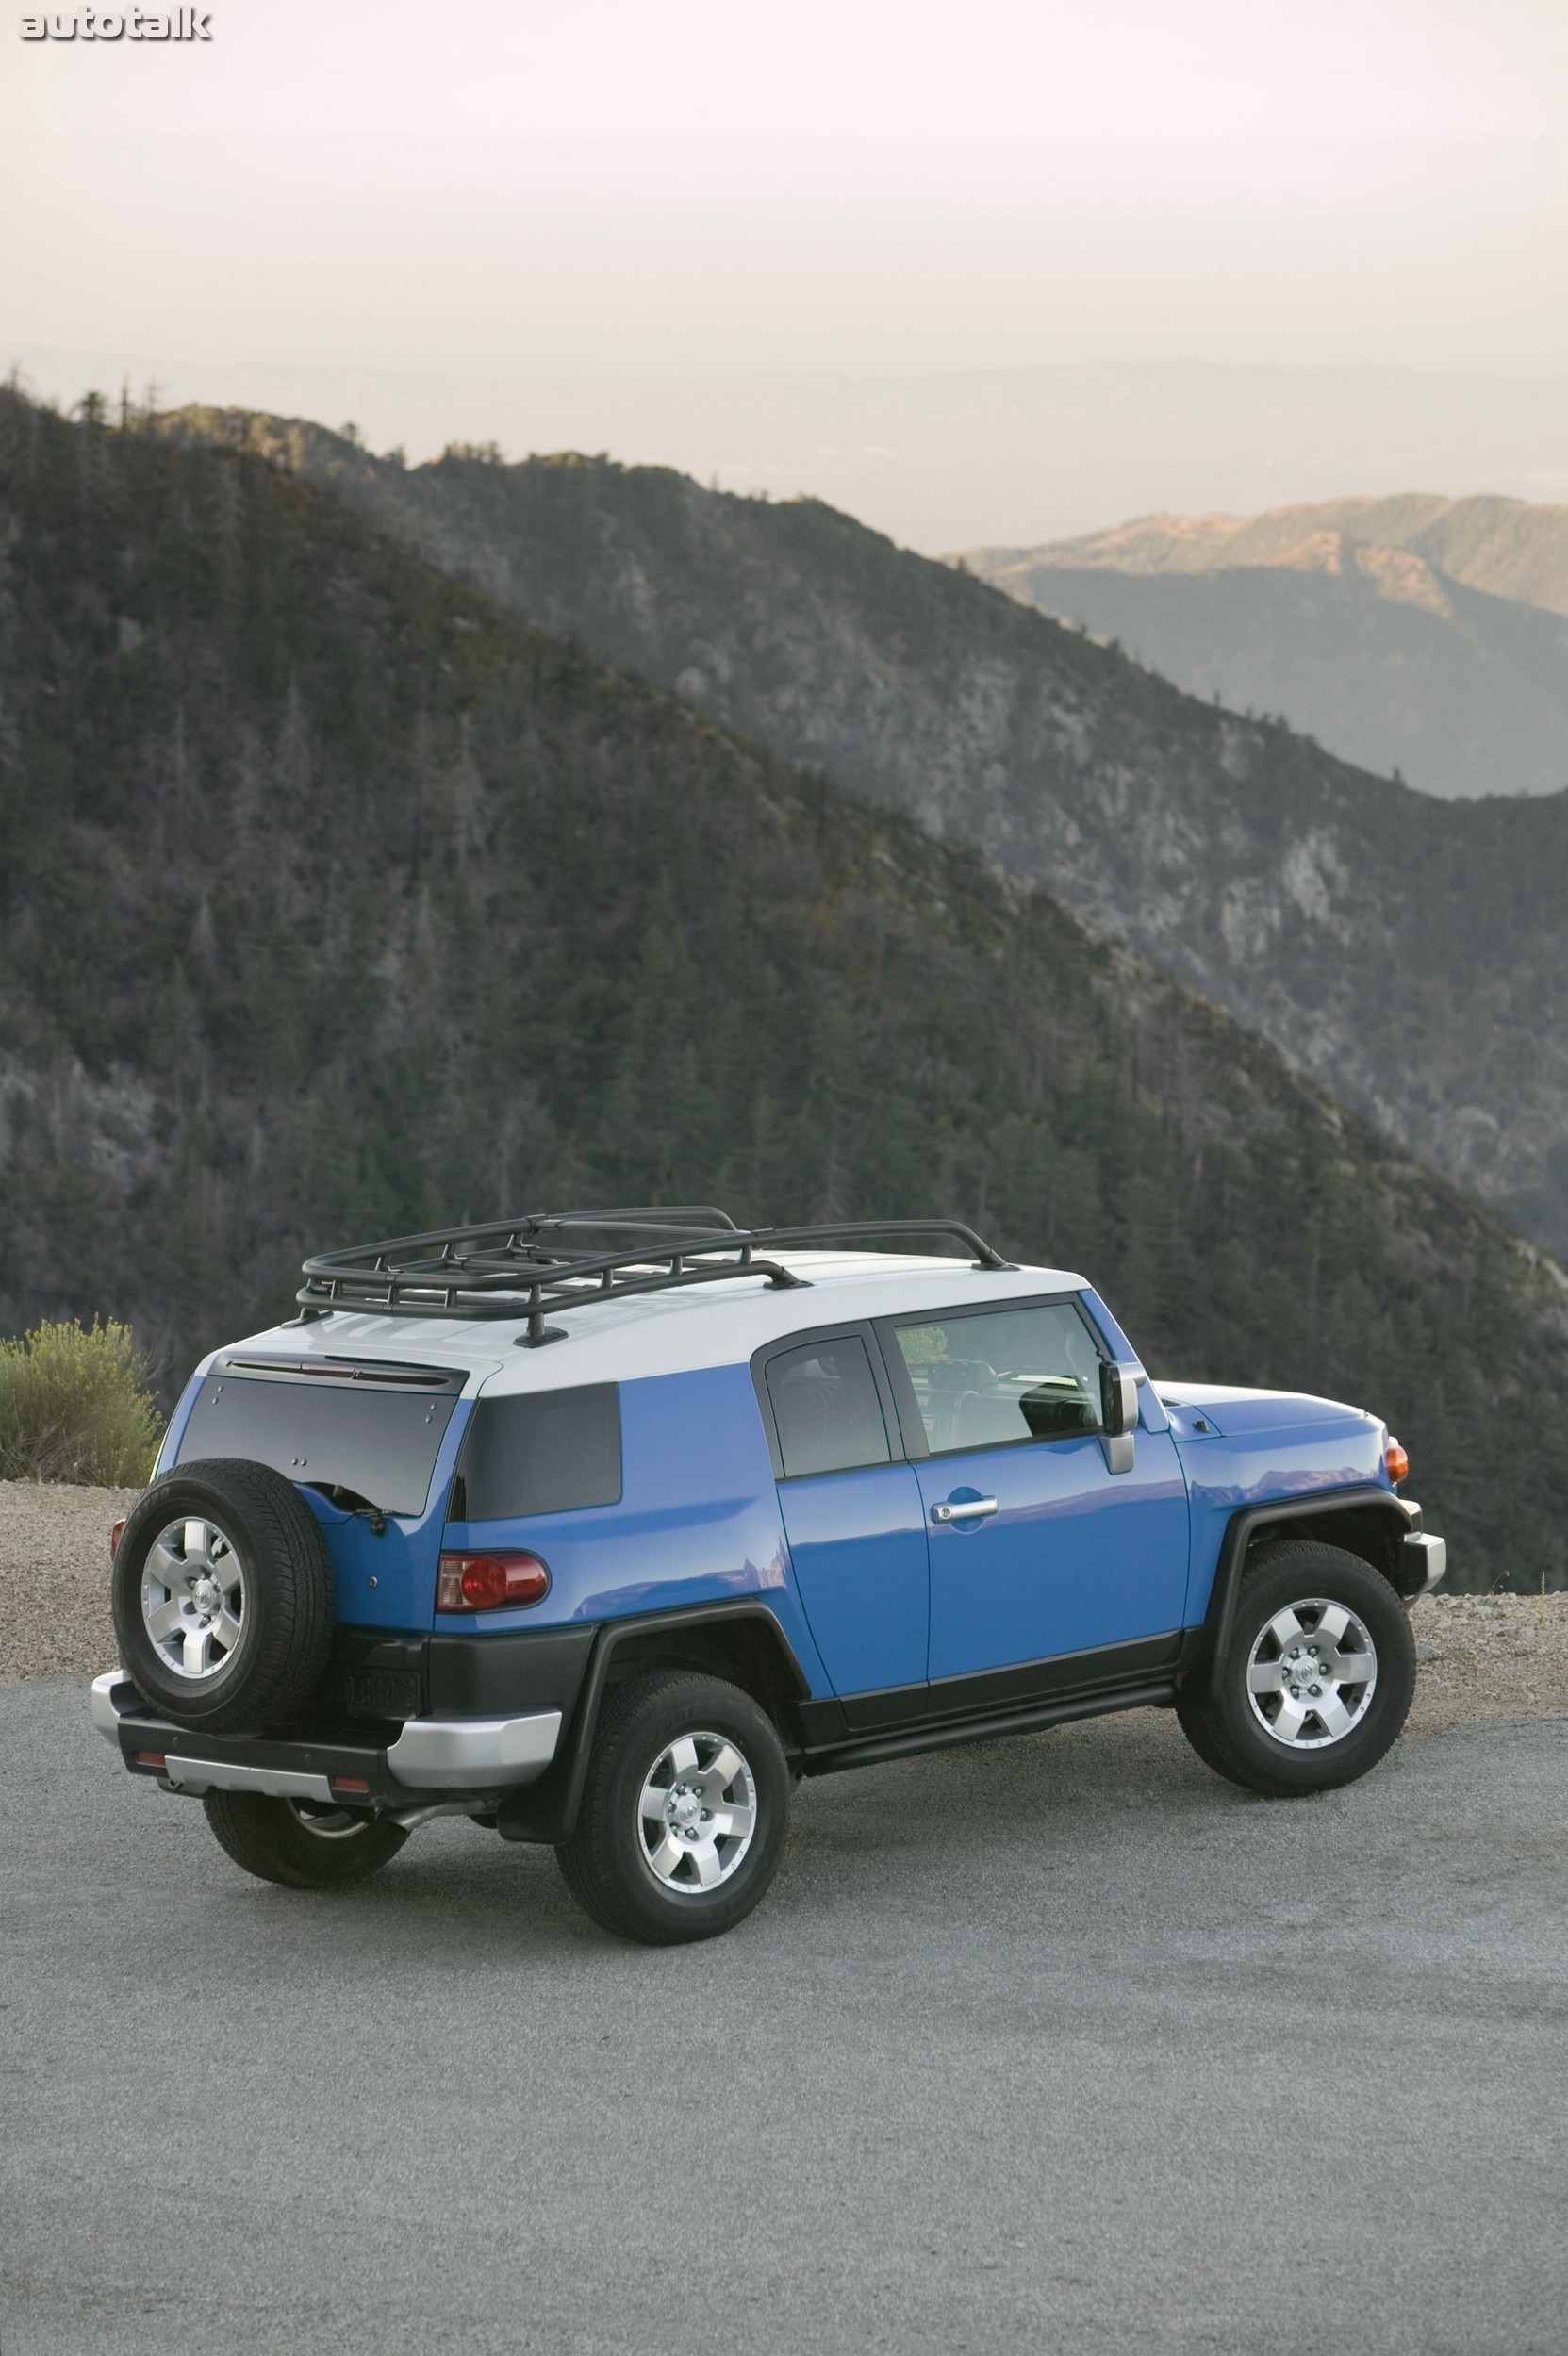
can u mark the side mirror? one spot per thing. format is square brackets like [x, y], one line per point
[1118, 1400]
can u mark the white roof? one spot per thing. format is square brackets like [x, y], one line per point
[665, 1332]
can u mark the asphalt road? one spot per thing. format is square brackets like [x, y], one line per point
[1057, 2044]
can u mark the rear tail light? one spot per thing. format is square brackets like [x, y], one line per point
[117, 1531]
[351, 1783]
[1397, 1461]
[484, 1582]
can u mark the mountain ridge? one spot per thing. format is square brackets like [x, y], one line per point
[1406, 951]
[1419, 636]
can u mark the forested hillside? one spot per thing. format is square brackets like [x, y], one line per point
[1411, 953]
[336, 900]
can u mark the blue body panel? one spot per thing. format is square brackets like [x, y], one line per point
[1291, 1460]
[698, 1520]
[858, 1544]
[1076, 1557]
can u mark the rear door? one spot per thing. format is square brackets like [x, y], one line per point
[854, 1518]
[1037, 1550]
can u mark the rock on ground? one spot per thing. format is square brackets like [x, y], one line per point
[1481, 1656]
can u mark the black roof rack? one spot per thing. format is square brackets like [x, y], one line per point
[528, 1266]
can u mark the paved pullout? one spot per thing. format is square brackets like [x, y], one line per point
[1055, 2044]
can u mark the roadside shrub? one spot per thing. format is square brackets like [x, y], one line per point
[76, 1405]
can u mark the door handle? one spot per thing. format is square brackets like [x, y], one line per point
[966, 1510]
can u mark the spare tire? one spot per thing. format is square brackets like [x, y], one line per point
[222, 1597]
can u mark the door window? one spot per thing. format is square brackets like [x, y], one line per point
[825, 1410]
[1004, 1375]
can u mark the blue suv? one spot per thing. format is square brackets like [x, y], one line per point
[605, 1528]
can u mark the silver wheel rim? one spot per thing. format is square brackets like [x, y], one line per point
[325, 1822]
[696, 1814]
[1311, 1674]
[194, 1599]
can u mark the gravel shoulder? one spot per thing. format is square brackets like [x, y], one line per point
[1489, 1657]
[1482, 1656]
[54, 1578]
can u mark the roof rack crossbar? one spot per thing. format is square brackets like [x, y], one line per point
[841, 1230]
[524, 1268]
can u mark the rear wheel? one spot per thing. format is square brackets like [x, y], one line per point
[1317, 1678]
[301, 1844]
[684, 1811]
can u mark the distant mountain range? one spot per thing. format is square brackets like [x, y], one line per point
[1416, 636]
[1507, 547]
[336, 899]
[1411, 953]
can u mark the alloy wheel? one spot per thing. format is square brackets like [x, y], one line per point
[194, 1598]
[1311, 1674]
[697, 1812]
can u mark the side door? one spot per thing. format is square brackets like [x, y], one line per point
[1037, 1549]
[854, 1518]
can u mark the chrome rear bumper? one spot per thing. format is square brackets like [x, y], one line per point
[457, 1754]
[431, 1754]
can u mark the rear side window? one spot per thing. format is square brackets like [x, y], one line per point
[825, 1410]
[541, 1452]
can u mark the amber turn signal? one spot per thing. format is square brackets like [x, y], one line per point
[1397, 1461]
[117, 1532]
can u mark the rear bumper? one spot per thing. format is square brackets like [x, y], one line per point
[430, 1760]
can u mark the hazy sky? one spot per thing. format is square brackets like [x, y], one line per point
[394, 190]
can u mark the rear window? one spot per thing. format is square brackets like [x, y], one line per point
[541, 1452]
[337, 1430]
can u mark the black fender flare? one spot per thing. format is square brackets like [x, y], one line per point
[1244, 1525]
[545, 1811]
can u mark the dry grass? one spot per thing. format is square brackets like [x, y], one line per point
[1481, 1655]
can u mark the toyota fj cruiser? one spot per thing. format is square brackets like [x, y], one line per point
[601, 1529]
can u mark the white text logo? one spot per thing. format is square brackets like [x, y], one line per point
[132, 24]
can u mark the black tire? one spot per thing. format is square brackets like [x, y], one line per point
[285, 1622]
[298, 1844]
[606, 1862]
[1232, 1735]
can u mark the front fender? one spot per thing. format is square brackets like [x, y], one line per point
[1373, 1522]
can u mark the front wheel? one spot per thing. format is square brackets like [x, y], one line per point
[301, 1844]
[1317, 1678]
[684, 1811]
